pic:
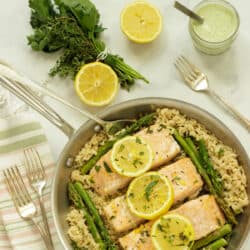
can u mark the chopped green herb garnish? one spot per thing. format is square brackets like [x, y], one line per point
[162, 126]
[160, 228]
[132, 195]
[183, 237]
[221, 152]
[138, 140]
[149, 189]
[149, 131]
[91, 180]
[107, 168]
[176, 178]
[121, 148]
[137, 162]
[97, 168]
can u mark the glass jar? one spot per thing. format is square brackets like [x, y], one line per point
[219, 29]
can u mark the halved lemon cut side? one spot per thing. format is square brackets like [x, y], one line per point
[96, 84]
[150, 195]
[141, 22]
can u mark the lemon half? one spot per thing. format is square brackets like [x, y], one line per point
[141, 22]
[131, 156]
[150, 195]
[96, 84]
[172, 232]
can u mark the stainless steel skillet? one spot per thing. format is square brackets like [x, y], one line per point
[130, 109]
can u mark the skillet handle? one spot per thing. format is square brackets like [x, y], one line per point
[32, 99]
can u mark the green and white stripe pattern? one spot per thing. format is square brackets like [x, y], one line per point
[15, 134]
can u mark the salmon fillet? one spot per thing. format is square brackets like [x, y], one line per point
[164, 149]
[203, 212]
[185, 179]
[186, 183]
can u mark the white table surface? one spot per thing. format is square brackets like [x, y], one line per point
[228, 73]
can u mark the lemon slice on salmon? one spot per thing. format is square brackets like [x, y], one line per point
[96, 84]
[172, 232]
[141, 22]
[150, 195]
[131, 156]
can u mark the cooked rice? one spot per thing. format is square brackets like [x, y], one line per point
[223, 158]
[90, 148]
[78, 230]
[84, 179]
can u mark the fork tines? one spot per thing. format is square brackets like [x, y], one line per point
[33, 164]
[16, 186]
[186, 68]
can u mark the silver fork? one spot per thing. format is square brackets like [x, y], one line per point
[198, 81]
[37, 179]
[22, 200]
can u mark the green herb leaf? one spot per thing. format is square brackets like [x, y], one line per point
[149, 189]
[131, 195]
[97, 168]
[41, 12]
[121, 148]
[107, 168]
[138, 140]
[84, 11]
[221, 152]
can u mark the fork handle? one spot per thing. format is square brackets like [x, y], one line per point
[31, 98]
[237, 114]
[45, 221]
[13, 75]
[43, 234]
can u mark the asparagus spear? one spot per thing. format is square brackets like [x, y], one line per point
[209, 167]
[95, 214]
[216, 244]
[188, 150]
[142, 122]
[192, 146]
[203, 157]
[76, 199]
[221, 232]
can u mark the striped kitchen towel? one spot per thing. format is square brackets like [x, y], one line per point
[16, 133]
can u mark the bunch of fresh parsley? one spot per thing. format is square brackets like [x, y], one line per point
[73, 26]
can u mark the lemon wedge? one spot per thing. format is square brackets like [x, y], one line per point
[96, 84]
[141, 22]
[131, 156]
[150, 195]
[172, 232]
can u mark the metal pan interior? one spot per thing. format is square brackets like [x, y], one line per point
[132, 109]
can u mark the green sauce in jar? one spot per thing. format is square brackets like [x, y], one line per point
[219, 29]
